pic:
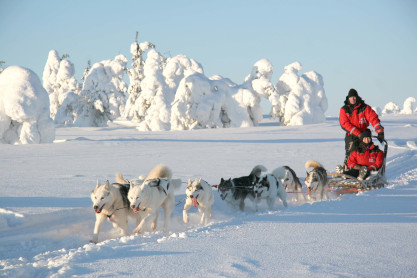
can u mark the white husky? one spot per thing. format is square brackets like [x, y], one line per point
[110, 202]
[199, 194]
[156, 191]
[290, 181]
[270, 187]
[316, 181]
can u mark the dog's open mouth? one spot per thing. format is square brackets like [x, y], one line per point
[195, 202]
[137, 208]
[308, 190]
[259, 195]
[99, 209]
[223, 196]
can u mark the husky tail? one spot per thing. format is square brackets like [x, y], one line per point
[120, 179]
[312, 163]
[257, 170]
[159, 171]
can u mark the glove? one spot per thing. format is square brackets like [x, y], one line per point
[381, 137]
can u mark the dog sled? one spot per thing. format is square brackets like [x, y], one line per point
[340, 183]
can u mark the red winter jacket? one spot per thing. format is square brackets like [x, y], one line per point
[371, 157]
[354, 119]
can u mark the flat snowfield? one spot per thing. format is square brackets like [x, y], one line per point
[47, 219]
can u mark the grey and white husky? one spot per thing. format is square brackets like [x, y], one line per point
[200, 195]
[316, 181]
[235, 191]
[270, 187]
[110, 203]
[290, 181]
[157, 191]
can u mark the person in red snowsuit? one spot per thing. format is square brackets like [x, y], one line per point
[355, 117]
[367, 157]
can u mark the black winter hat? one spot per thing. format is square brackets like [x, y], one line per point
[366, 133]
[353, 93]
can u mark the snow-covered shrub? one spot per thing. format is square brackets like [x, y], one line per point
[303, 96]
[201, 102]
[391, 108]
[24, 108]
[408, 107]
[103, 93]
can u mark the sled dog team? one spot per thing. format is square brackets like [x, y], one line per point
[141, 198]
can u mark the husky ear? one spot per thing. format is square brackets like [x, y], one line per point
[107, 185]
[199, 181]
[189, 181]
[98, 184]
[221, 180]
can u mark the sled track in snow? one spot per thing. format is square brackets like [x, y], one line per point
[60, 255]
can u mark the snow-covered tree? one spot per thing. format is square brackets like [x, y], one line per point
[154, 102]
[103, 93]
[377, 110]
[259, 81]
[50, 71]
[1, 66]
[306, 100]
[201, 102]
[24, 108]
[391, 108]
[59, 81]
[136, 76]
[177, 68]
[65, 84]
[196, 105]
[408, 107]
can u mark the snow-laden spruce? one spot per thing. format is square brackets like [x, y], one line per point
[306, 100]
[136, 76]
[153, 86]
[408, 107]
[24, 108]
[61, 85]
[103, 93]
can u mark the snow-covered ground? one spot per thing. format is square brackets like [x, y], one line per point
[46, 216]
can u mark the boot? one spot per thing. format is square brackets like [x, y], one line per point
[362, 173]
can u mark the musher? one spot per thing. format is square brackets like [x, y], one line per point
[355, 117]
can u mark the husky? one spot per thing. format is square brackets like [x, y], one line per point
[316, 181]
[199, 194]
[110, 202]
[234, 191]
[156, 191]
[270, 187]
[290, 181]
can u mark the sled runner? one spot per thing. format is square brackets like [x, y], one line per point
[344, 184]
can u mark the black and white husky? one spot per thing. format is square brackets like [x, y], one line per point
[290, 181]
[156, 191]
[270, 187]
[110, 202]
[316, 181]
[200, 195]
[234, 191]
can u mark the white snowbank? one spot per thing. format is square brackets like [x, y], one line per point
[24, 108]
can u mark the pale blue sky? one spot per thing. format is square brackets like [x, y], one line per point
[370, 45]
